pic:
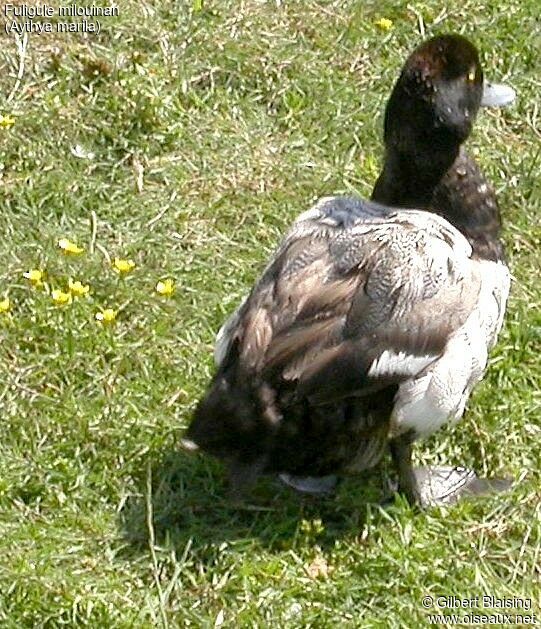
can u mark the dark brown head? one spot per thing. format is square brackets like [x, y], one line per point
[430, 113]
[437, 96]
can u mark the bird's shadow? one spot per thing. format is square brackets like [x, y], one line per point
[183, 502]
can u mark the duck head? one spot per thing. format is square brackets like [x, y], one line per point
[430, 113]
[439, 92]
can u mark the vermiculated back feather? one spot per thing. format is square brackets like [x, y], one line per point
[316, 330]
[370, 324]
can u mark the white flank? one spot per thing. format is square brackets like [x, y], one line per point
[399, 363]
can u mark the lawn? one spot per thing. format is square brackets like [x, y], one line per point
[185, 137]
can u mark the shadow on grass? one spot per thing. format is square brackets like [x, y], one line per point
[189, 505]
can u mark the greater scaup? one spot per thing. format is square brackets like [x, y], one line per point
[371, 324]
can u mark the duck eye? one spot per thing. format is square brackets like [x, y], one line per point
[471, 75]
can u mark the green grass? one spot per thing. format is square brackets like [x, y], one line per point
[241, 114]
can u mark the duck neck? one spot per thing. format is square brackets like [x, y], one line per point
[449, 184]
[409, 178]
[466, 199]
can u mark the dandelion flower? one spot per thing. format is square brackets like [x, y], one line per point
[165, 287]
[69, 248]
[123, 266]
[78, 289]
[384, 24]
[6, 121]
[60, 298]
[106, 316]
[5, 305]
[35, 276]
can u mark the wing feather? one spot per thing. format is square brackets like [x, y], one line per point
[351, 284]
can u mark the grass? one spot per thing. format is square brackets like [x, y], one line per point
[239, 115]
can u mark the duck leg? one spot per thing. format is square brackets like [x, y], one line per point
[401, 450]
[430, 486]
[243, 476]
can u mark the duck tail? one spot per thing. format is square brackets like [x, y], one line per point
[237, 418]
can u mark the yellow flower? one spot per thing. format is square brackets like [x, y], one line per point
[384, 24]
[5, 305]
[106, 316]
[165, 287]
[60, 298]
[69, 248]
[6, 121]
[123, 266]
[77, 288]
[35, 276]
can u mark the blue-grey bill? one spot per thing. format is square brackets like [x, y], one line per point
[495, 95]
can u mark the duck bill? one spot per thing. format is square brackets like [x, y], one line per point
[496, 95]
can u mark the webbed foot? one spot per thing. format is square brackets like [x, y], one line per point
[315, 485]
[447, 485]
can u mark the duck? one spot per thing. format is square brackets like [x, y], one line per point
[372, 322]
